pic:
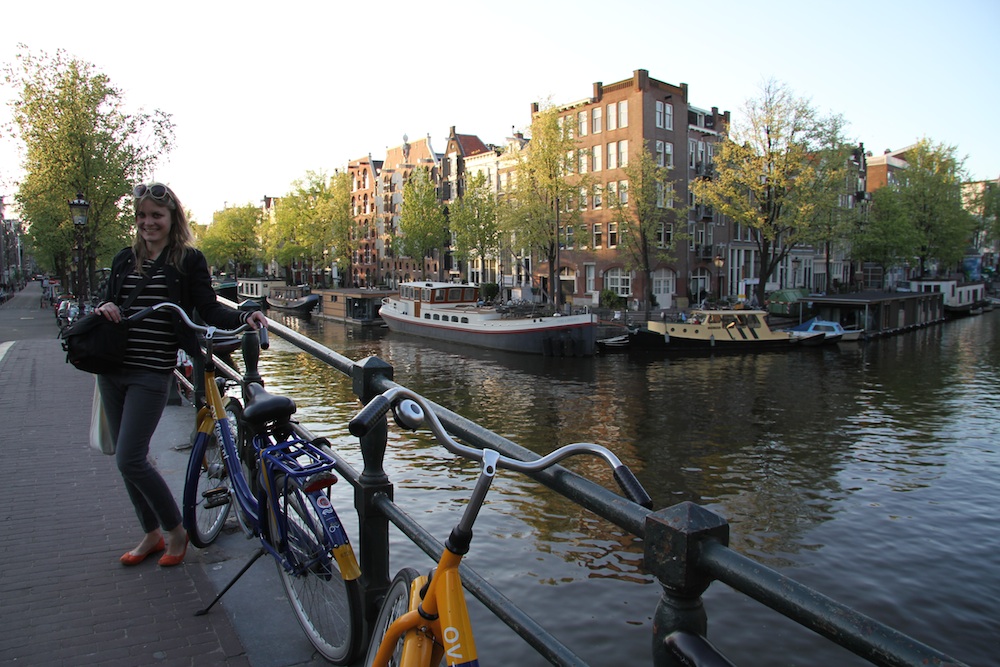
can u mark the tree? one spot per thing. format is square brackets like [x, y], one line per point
[234, 236]
[78, 138]
[644, 217]
[422, 223]
[930, 192]
[542, 187]
[768, 178]
[474, 221]
[336, 210]
[886, 238]
[301, 230]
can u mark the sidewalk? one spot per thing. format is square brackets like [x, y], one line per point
[66, 519]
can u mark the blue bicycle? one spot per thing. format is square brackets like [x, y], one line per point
[248, 458]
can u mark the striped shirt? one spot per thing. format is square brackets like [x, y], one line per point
[152, 343]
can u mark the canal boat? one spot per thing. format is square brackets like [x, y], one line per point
[705, 330]
[454, 313]
[833, 331]
[296, 299]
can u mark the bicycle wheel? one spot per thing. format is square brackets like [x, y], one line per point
[327, 607]
[209, 500]
[395, 604]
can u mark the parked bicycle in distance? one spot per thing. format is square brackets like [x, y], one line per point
[278, 485]
[423, 619]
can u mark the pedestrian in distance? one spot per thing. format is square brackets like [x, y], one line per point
[163, 257]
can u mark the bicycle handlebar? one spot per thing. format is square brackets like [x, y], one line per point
[208, 331]
[411, 411]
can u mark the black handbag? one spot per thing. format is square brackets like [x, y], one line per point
[94, 343]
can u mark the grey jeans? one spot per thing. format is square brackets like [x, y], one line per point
[134, 400]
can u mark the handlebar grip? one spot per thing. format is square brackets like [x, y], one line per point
[371, 413]
[141, 314]
[264, 342]
[633, 489]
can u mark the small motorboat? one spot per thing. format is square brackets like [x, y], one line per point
[832, 331]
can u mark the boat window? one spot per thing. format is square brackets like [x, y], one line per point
[427, 316]
[730, 321]
[455, 294]
[454, 318]
[752, 321]
[436, 316]
[714, 318]
[465, 320]
[425, 295]
[470, 293]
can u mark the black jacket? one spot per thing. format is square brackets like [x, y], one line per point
[189, 287]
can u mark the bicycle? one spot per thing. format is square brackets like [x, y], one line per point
[423, 619]
[279, 485]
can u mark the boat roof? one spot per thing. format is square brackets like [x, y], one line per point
[434, 284]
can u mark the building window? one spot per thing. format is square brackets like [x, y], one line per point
[612, 234]
[570, 162]
[590, 272]
[623, 192]
[659, 114]
[611, 117]
[597, 196]
[597, 235]
[668, 150]
[569, 236]
[692, 147]
[668, 116]
[618, 281]
[595, 119]
[612, 190]
[581, 157]
[623, 113]
[623, 153]
[581, 122]
[595, 157]
[665, 235]
[583, 199]
[612, 155]
[660, 154]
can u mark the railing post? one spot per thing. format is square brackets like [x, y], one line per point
[672, 539]
[373, 538]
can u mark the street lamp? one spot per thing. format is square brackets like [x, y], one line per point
[719, 262]
[78, 209]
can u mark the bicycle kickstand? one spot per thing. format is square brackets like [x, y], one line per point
[253, 559]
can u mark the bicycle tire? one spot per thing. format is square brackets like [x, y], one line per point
[326, 605]
[209, 501]
[395, 603]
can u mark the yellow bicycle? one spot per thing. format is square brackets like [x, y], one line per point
[423, 619]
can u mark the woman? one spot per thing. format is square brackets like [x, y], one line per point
[134, 397]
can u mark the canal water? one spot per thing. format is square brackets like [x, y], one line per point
[870, 472]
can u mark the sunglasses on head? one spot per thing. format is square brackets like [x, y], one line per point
[155, 191]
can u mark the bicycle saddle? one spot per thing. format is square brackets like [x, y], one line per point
[263, 407]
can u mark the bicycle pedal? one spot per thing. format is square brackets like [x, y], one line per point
[319, 481]
[216, 497]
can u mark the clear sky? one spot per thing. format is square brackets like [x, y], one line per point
[261, 92]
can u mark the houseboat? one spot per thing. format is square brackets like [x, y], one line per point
[256, 288]
[717, 331]
[352, 305]
[454, 313]
[296, 299]
[960, 298]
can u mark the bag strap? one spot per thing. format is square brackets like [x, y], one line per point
[134, 294]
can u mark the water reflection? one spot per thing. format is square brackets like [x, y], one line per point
[812, 456]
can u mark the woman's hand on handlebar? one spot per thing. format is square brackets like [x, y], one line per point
[109, 311]
[257, 320]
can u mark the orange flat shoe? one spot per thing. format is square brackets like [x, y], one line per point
[166, 560]
[130, 559]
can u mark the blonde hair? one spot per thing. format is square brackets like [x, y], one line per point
[179, 240]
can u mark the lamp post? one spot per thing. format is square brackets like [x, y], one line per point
[78, 209]
[796, 263]
[719, 262]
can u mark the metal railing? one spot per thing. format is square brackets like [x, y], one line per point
[685, 547]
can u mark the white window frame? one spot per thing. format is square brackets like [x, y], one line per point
[659, 114]
[619, 281]
[595, 156]
[590, 273]
[581, 122]
[612, 116]
[623, 114]
[623, 153]
[612, 155]
[668, 116]
[612, 234]
[595, 119]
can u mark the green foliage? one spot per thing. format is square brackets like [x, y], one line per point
[78, 138]
[541, 187]
[645, 216]
[489, 291]
[234, 236]
[474, 221]
[772, 175]
[611, 299]
[422, 223]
